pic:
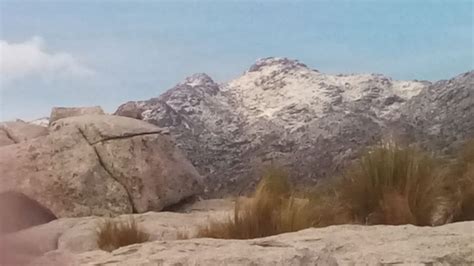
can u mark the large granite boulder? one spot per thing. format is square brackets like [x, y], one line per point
[64, 112]
[99, 165]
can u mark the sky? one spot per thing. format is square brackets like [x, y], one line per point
[85, 52]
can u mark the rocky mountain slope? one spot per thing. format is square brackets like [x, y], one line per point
[280, 111]
[443, 113]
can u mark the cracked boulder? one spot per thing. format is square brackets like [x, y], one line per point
[99, 165]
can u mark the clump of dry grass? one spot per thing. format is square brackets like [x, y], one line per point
[398, 185]
[272, 210]
[389, 184]
[113, 234]
[464, 168]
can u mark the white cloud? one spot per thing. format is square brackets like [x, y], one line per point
[30, 59]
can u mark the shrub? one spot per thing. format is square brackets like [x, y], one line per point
[398, 185]
[113, 234]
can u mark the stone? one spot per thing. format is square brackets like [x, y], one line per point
[62, 171]
[99, 165]
[19, 131]
[63, 112]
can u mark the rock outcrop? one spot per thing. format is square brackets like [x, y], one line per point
[99, 165]
[280, 111]
[19, 131]
[64, 112]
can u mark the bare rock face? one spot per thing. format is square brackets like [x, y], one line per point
[99, 165]
[63, 112]
[18, 131]
[280, 111]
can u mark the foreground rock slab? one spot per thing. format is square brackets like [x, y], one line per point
[78, 235]
[72, 241]
[451, 244]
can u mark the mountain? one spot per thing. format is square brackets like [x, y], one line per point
[443, 113]
[281, 111]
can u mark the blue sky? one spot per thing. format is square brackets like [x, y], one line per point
[80, 53]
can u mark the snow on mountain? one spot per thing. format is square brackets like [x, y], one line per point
[43, 121]
[280, 111]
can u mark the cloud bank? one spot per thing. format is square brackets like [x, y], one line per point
[29, 59]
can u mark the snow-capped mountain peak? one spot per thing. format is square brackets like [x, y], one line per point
[198, 80]
[276, 63]
[282, 111]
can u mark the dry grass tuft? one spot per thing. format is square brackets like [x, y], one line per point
[465, 169]
[389, 184]
[398, 185]
[272, 210]
[113, 234]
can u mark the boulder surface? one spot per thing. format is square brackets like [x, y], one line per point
[99, 165]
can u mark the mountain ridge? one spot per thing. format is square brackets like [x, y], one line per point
[281, 111]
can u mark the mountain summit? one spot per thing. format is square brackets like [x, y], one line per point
[280, 111]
